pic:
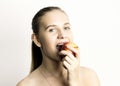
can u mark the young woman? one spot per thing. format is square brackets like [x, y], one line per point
[51, 65]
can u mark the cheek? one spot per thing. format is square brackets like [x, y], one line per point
[49, 41]
[71, 36]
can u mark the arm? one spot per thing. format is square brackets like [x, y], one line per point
[78, 76]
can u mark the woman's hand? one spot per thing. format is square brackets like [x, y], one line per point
[71, 62]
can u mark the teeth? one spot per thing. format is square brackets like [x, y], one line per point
[59, 46]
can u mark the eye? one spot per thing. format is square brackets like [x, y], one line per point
[52, 30]
[66, 28]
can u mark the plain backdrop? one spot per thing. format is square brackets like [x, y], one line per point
[96, 27]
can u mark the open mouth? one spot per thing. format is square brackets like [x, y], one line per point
[60, 46]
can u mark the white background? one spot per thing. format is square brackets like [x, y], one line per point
[96, 25]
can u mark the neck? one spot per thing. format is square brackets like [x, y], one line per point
[53, 68]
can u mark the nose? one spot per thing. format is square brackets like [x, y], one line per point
[61, 34]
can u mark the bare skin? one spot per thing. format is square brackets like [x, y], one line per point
[53, 71]
[38, 78]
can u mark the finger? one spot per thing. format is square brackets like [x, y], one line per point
[74, 50]
[69, 60]
[66, 64]
[69, 54]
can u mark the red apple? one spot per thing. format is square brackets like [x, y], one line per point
[64, 47]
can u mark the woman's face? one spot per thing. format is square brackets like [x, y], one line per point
[54, 31]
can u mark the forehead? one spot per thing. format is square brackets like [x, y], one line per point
[54, 17]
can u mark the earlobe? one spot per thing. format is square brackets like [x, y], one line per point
[35, 40]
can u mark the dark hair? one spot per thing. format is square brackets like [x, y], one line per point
[36, 52]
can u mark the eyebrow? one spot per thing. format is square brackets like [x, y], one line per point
[55, 25]
[49, 26]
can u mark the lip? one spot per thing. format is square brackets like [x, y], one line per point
[60, 45]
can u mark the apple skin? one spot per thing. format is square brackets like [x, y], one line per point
[64, 47]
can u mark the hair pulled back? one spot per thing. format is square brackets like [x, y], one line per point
[36, 52]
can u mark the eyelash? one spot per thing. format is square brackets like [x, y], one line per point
[66, 28]
[51, 30]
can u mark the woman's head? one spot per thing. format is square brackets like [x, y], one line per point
[37, 18]
[50, 27]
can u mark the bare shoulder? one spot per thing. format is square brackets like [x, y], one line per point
[90, 77]
[88, 71]
[33, 79]
[24, 82]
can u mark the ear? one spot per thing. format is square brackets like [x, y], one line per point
[35, 40]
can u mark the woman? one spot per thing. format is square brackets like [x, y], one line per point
[51, 65]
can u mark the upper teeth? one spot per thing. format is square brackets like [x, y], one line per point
[59, 46]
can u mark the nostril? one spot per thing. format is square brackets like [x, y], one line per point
[60, 36]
